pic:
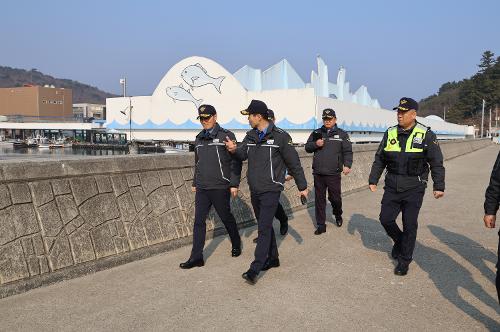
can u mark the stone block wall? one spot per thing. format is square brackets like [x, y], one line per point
[59, 216]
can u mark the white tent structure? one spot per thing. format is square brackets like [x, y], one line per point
[170, 112]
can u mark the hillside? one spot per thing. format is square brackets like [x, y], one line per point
[82, 93]
[463, 99]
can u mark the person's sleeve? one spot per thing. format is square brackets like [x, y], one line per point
[236, 166]
[241, 153]
[195, 162]
[492, 195]
[434, 158]
[347, 150]
[311, 146]
[379, 163]
[292, 162]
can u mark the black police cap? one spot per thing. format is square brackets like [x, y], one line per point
[206, 111]
[328, 113]
[406, 104]
[256, 107]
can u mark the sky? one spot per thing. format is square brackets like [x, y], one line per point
[395, 48]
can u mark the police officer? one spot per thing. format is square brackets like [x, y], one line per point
[214, 180]
[492, 198]
[332, 150]
[407, 150]
[280, 211]
[270, 152]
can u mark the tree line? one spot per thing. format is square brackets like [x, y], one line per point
[463, 100]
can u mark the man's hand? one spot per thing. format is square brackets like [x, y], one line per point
[438, 194]
[193, 189]
[373, 187]
[347, 170]
[489, 220]
[288, 177]
[230, 145]
[320, 143]
[234, 191]
[304, 193]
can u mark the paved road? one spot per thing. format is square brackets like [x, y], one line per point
[342, 280]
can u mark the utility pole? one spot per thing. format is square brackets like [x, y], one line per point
[496, 118]
[489, 129]
[444, 114]
[482, 119]
[130, 118]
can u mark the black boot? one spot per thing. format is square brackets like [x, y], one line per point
[250, 277]
[401, 269]
[270, 263]
[339, 221]
[236, 251]
[189, 264]
[320, 230]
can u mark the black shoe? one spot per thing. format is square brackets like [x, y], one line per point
[255, 240]
[270, 263]
[395, 250]
[339, 221]
[284, 227]
[320, 230]
[190, 264]
[401, 269]
[235, 252]
[250, 277]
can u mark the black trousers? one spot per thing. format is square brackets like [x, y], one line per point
[220, 199]
[408, 203]
[264, 207]
[321, 184]
[280, 213]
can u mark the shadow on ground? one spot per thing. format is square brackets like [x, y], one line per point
[446, 273]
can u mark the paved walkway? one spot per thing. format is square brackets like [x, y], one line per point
[342, 280]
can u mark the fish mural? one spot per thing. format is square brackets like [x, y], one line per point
[181, 94]
[196, 76]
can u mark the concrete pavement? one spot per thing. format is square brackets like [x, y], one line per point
[342, 280]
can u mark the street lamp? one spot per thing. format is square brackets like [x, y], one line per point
[31, 75]
[123, 83]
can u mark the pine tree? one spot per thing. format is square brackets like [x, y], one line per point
[487, 61]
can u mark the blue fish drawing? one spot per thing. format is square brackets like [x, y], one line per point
[181, 94]
[196, 76]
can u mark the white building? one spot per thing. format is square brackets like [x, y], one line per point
[171, 111]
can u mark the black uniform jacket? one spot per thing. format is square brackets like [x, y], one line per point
[492, 196]
[215, 167]
[334, 154]
[268, 160]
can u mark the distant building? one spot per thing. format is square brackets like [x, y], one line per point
[45, 111]
[86, 110]
[44, 103]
